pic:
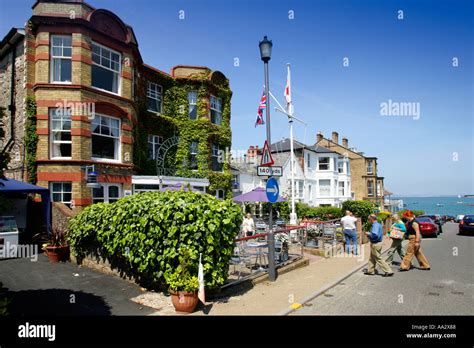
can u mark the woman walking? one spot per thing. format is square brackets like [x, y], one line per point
[414, 248]
[397, 234]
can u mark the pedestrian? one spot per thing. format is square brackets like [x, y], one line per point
[248, 225]
[397, 234]
[350, 233]
[414, 245]
[375, 237]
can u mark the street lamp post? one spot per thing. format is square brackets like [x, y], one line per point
[265, 54]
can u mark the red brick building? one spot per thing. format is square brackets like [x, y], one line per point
[101, 113]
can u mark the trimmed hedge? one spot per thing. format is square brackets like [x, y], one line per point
[143, 234]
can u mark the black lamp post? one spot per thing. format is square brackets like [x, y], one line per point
[265, 54]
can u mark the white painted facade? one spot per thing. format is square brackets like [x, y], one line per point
[324, 180]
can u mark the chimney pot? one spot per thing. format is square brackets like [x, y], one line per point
[345, 142]
[335, 137]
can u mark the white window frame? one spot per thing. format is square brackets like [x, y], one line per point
[328, 186]
[299, 189]
[328, 163]
[106, 198]
[154, 140]
[119, 72]
[62, 192]
[310, 193]
[154, 91]
[52, 142]
[216, 106]
[53, 57]
[119, 140]
[192, 101]
[308, 160]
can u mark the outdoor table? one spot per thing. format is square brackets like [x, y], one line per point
[259, 246]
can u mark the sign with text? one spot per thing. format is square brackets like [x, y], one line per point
[269, 171]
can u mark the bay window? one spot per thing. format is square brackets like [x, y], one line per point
[106, 67]
[61, 53]
[341, 188]
[340, 167]
[154, 96]
[60, 136]
[105, 138]
[216, 110]
[324, 188]
[370, 188]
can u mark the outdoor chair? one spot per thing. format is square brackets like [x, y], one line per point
[240, 258]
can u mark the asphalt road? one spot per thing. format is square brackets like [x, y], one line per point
[448, 289]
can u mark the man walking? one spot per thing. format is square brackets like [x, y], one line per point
[375, 237]
[349, 226]
[414, 248]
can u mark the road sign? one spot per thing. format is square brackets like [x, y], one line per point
[269, 171]
[272, 190]
[267, 159]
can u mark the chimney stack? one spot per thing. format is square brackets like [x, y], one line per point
[319, 136]
[335, 137]
[345, 142]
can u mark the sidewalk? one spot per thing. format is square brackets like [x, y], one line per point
[291, 288]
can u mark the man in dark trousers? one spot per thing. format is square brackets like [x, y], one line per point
[375, 237]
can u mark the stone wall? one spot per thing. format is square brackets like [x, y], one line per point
[16, 166]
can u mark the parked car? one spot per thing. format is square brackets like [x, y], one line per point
[466, 225]
[437, 220]
[428, 228]
[459, 218]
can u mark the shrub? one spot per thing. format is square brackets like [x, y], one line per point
[144, 234]
[360, 209]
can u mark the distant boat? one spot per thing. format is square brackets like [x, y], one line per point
[439, 205]
[459, 196]
[459, 202]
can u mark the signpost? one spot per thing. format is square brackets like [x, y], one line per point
[272, 190]
[269, 171]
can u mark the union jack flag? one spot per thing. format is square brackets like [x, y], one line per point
[261, 107]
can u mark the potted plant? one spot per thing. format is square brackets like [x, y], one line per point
[183, 284]
[57, 248]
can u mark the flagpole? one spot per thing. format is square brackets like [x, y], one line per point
[293, 216]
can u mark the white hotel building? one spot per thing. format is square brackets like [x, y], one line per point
[322, 177]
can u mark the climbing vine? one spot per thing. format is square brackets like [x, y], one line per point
[31, 139]
[174, 121]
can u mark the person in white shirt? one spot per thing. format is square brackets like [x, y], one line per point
[248, 225]
[350, 233]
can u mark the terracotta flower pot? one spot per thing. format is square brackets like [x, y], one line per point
[184, 301]
[57, 253]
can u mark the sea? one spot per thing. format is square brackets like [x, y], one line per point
[445, 205]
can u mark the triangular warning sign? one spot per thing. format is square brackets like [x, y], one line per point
[267, 159]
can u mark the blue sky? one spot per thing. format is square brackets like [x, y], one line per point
[407, 60]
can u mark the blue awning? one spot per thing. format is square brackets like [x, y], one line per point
[15, 186]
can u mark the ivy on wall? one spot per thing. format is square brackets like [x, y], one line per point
[174, 121]
[31, 139]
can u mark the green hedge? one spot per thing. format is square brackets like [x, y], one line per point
[142, 234]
